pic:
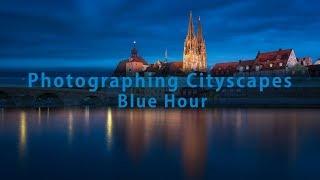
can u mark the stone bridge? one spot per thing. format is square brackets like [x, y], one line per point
[40, 97]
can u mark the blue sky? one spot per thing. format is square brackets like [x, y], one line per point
[98, 33]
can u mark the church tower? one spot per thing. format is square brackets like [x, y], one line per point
[194, 54]
[202, 52]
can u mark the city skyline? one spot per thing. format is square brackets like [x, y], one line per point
[96, 33]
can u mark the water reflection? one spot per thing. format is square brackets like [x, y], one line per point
[87, 116]
[2, 114]
[194, 143]
[70, 126]
[48, 114]
[135, 129]
[22, 134]
[39, 115]
[214, 143]
[108, 128]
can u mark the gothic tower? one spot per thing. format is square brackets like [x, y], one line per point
[202, 52]
[194, 55]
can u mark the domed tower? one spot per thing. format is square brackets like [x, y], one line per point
[194, 54]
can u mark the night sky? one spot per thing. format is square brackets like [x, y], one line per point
[98, 33]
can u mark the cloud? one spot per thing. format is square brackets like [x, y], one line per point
[98, 29]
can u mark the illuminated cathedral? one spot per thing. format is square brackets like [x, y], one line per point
[194, 54]
[194, 57]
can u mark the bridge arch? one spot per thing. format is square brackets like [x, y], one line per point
[5, 100]
[91, 101]
[3, 94]
[48, 100]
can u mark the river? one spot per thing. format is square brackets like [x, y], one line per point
[109, 143]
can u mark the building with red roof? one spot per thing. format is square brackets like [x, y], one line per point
[225, 69]
[134, 64]
[266, 63]
[280, 59]
[305, 61]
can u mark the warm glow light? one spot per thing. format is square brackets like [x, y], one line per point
[23, 133]
[39, 115]
[70, 125]
[108, 128]
[87, 115]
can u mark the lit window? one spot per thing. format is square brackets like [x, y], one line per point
[247, 67]
[271, 65]
[280, 64]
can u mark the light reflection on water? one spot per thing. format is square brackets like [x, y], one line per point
[70, 126]
[213, 143]
[22, 134]
[108, 129]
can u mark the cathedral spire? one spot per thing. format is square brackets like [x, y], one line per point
[190, 27]
[199, 33]
[194, 53]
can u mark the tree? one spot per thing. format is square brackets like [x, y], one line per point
[298, 70]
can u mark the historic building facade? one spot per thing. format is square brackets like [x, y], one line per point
[194, 57]
[134, 64]
[194, 53]
[265, 63]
